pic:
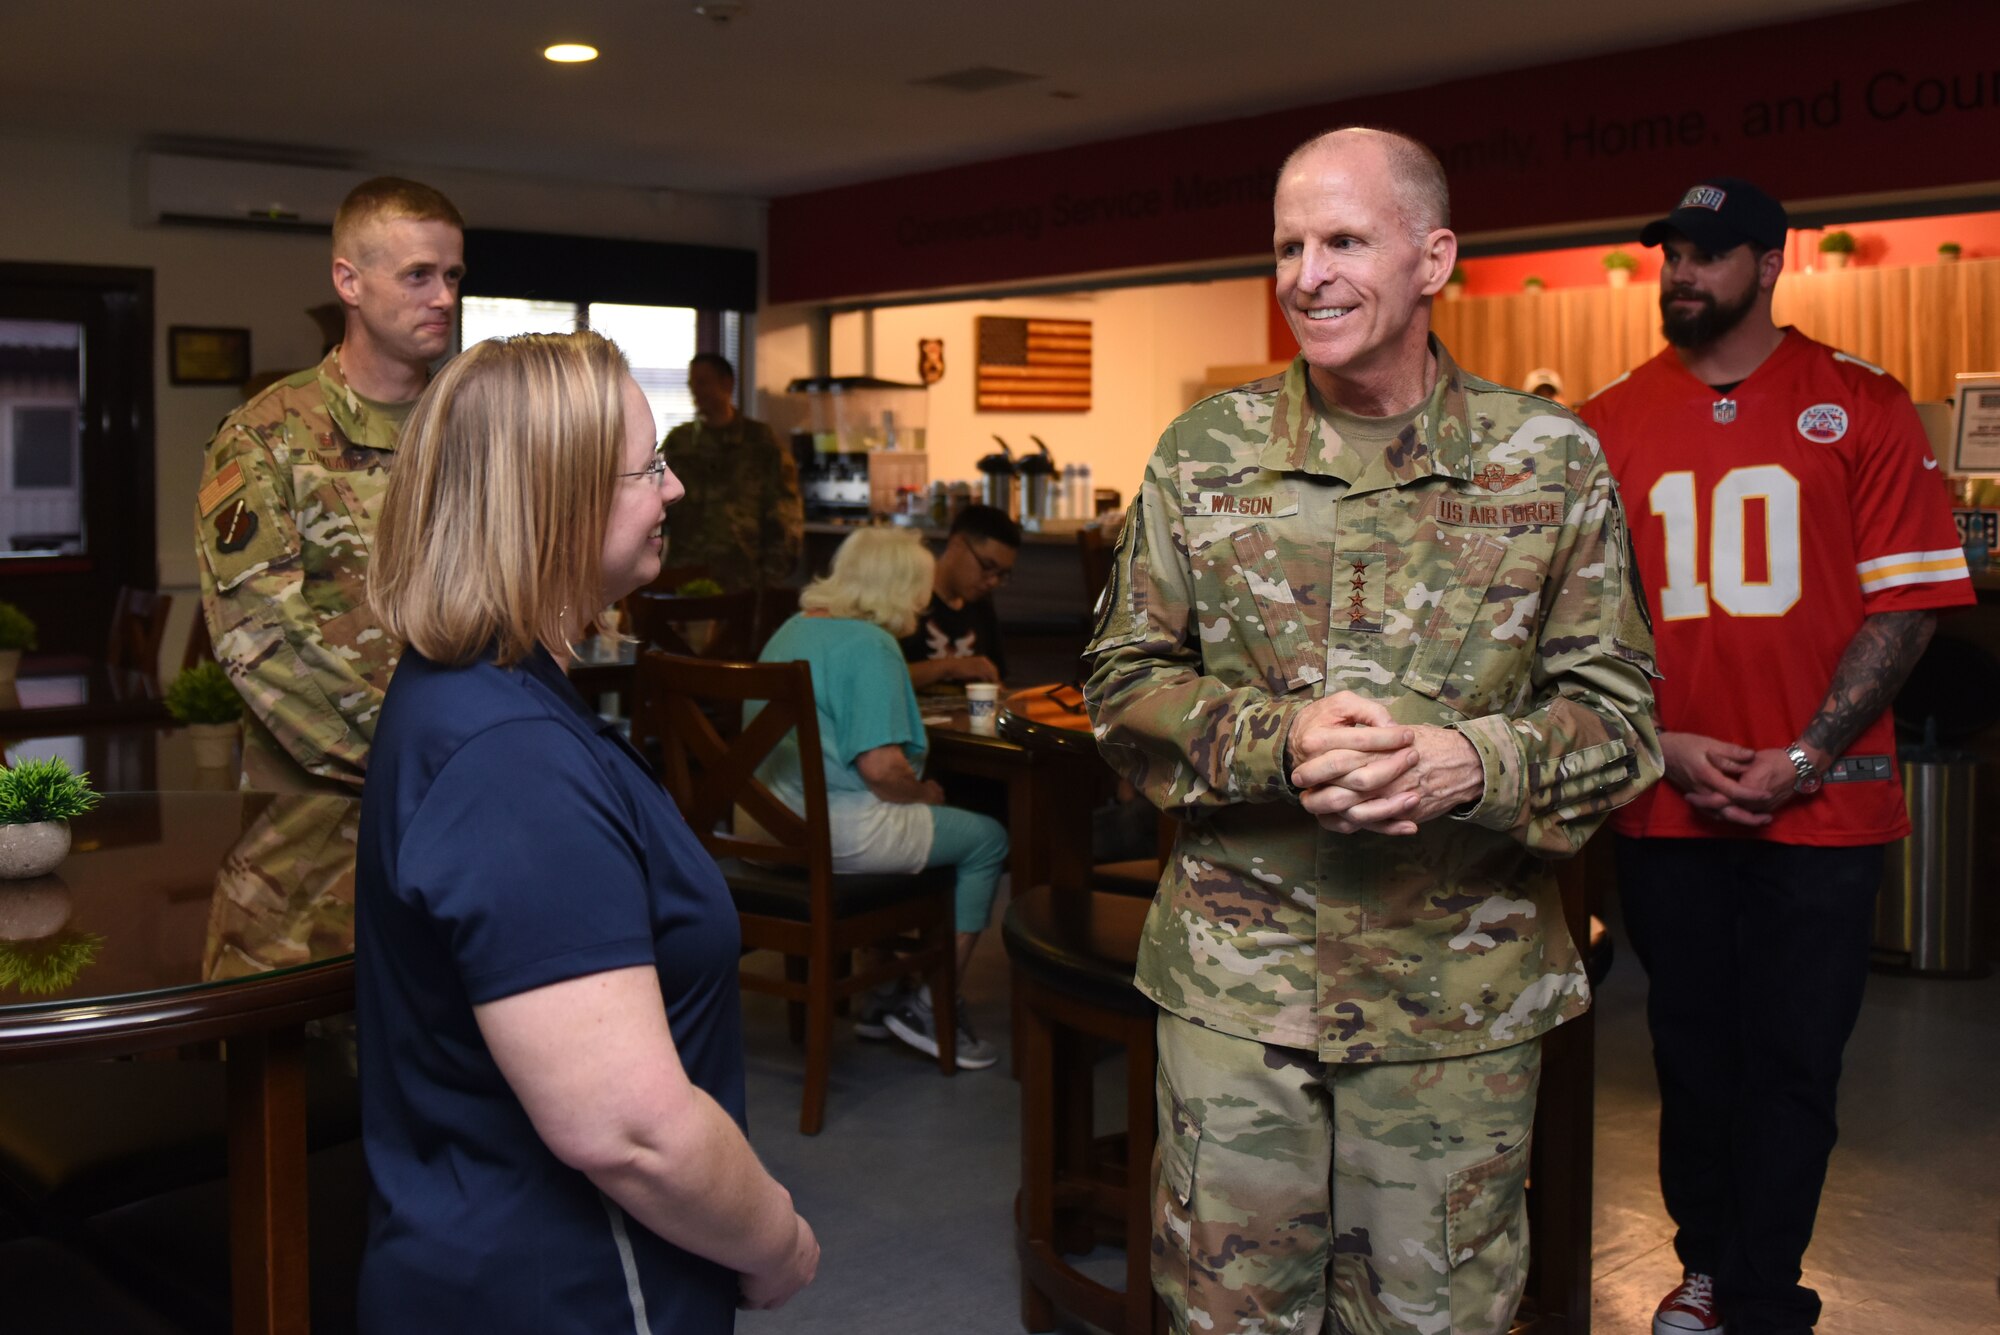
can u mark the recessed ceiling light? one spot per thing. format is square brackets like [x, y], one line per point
[570, 53]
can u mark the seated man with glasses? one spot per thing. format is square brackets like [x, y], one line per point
[957, 638]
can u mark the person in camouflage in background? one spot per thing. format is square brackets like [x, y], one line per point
[293, 481]
[1371, 634]
[742, 521]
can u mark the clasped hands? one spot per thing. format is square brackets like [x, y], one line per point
[1357, 769]
[1730, 783]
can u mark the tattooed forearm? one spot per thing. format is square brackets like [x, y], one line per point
[1871, 671]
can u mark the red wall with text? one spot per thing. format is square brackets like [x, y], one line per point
[1861, 103]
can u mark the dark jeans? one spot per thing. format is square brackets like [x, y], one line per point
[1757, 954]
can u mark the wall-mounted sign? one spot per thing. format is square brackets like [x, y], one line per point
[1976, 435]
[204, 356]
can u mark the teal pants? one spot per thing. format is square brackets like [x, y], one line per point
[1297, 1195]
[976, 846]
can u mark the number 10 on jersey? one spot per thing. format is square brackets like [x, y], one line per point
[1729, 584]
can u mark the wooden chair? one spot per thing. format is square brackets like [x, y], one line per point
[199, 648]
[1096, 551]
[720, 625]
[788, 897]
[138, 624]
[775, 606]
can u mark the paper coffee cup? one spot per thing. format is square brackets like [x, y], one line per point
[982, 699]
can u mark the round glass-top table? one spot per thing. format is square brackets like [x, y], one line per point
[184, 917]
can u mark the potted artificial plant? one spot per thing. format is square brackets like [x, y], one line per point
[37, 800]
[204, 700]
[39, 951]
[1949, 251]
[1533, 283]
[17, 632]
[1454, 286]
[1619, 268]
[1836, 248]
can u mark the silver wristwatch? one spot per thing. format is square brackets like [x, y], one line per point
[1809, 779]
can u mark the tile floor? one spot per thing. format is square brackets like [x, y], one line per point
[911, 1183]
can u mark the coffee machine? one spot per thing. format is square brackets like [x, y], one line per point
[858, 442]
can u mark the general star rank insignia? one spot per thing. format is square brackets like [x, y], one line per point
[235, 527]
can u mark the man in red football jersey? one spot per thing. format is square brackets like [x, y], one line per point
[1795, 543]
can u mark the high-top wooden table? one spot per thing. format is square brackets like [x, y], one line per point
[191, 917]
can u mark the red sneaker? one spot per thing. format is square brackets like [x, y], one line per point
[1689, 1308]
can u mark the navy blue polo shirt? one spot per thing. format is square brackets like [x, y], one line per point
[509, 840]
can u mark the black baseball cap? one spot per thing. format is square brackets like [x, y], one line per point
[1721, 214]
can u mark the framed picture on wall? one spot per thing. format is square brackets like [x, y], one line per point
[199, 355]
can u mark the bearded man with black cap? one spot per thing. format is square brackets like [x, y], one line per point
[1795, 543]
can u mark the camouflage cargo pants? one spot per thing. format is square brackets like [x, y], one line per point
[1292, 1194]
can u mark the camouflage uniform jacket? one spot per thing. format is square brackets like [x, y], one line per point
[291, 489]
[742, 516]
[1473, 575]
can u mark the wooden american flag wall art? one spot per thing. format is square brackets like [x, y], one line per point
[1031, 365]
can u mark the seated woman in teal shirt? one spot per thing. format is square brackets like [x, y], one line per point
[884, 818]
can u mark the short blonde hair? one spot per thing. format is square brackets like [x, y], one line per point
[491, 535]
[388, 199]
[879, 574]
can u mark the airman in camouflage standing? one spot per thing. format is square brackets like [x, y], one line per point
[1371, 634]
[742, 519]
[292, 484]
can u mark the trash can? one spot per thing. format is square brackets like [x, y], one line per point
[1924, 916]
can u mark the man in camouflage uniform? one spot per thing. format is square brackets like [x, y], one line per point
[1370, 634]
[293, 482]
[742, 519]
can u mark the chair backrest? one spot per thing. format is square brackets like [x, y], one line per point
[1096, 551]
[199, 648]
[775, 606]
[138, 624]
[711, 775]
[720, 625]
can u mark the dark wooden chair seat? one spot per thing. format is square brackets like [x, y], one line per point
[776, 892]
[788, 898]
[71, 1147]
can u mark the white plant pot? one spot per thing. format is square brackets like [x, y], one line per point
[10, 664]
[35, 908]
[1618, 277]
[34, 849]
[1947, 257]
[214, 744]
[1454, 291]
[1835, 259]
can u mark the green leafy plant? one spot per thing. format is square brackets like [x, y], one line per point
[47, 964]
[204, 694]
[38, 790]
[17, 630]
[1533, 283]
[1837, 243]
[699, 588]
[1457, 275]
[1950, 249]
[1618, 259]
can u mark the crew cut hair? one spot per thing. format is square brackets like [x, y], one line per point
[388, 199]
[492, 528]
[1422, 196]
[880, 574]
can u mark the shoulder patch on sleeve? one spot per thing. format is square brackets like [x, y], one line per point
[1852, 360]
[220, 488]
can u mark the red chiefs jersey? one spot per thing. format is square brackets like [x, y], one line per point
[1768, 523]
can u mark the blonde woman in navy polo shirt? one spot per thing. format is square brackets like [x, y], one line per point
[551, 1046]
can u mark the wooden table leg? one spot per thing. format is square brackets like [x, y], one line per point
[268, 1254]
